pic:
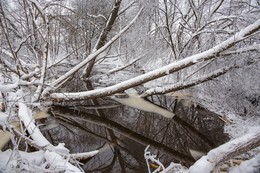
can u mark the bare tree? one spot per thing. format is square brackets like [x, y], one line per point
[173, 45]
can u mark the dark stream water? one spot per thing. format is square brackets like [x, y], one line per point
[122, 133]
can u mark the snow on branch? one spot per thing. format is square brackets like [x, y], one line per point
[23, 162]
[97, 16]
[152, 161]
[219, 155]
[125, 66]
[216, 157]
[81, 156]
[39, 9]
[182, 85]
[152, 158]
[34, 131]
[173, 67]
[42, 79]
[7, 64]
[63, 78]
[8, 87]
[102, 37]
[53, 154]
[58, 163]
[242, 50]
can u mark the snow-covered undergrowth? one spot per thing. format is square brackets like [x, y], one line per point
[17, 119]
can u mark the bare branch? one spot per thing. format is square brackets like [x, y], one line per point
[125, 66]
[90, 57]
[102, 37]
[185, 85]
[216, 7]
[173, 67]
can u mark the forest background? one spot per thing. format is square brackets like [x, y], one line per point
[206, 48]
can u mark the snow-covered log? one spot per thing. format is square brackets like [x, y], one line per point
[173, 67]
[54, 154]
[219, 155]
[35, 133]
[183, 85]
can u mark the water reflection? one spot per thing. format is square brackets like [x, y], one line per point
[122, 133]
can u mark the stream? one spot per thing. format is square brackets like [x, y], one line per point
[122, 133]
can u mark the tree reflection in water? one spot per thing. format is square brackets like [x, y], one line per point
[122, 133]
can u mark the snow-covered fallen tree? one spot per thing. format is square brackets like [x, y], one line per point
[166, 70]
[47, 158]
[36, 46]
[215, 158]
